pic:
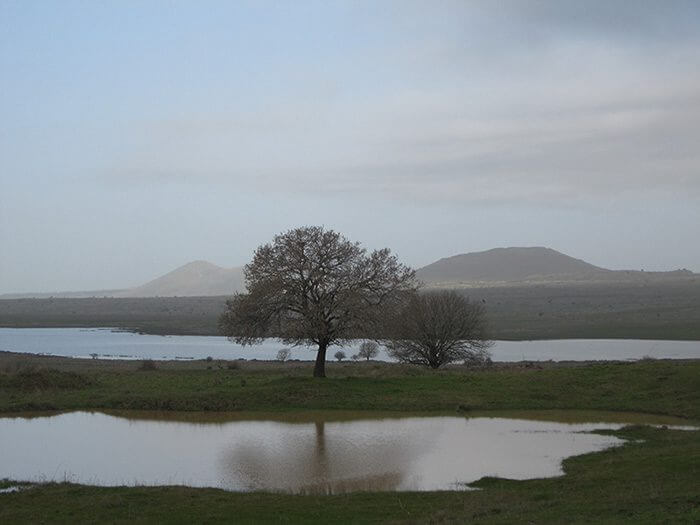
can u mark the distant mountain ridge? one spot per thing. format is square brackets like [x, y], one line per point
[496, 267]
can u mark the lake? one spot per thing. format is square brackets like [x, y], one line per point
[297, 453]
[113, 344]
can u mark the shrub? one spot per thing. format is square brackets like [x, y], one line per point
[148, 364]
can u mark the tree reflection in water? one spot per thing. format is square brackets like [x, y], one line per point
[327, 462]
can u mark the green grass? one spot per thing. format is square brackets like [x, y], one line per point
[651, 479]
[658, 387]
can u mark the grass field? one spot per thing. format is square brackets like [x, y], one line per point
[641, 311]
[50, 383]
[651, 479]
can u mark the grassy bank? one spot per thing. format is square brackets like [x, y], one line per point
[652, 479]
[30, 383]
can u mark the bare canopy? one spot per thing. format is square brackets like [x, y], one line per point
[312, 286]
[439, 327]
[368, 350]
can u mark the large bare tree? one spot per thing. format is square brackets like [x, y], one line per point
[439, 327]
[312, 286]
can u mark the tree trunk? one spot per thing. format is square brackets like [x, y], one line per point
[320, 366]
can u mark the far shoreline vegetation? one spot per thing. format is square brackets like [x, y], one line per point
[611, 311]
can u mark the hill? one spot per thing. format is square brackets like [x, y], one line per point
[506, 264]
[531, 265]
[198, 278]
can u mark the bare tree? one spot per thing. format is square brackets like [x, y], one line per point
[368, 350]
[439, 327]
[283, 354]
[312, 286]
[340, 355]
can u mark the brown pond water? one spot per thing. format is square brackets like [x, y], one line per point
[315, 453]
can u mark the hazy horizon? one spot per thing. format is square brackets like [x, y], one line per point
[236, 267]
[137, 137]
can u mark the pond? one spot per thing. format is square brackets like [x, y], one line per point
[296, 453]
[112, 344]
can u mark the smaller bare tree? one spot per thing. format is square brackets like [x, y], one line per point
[439, 327]
[368, 350]
[340, 355]
[283, 354]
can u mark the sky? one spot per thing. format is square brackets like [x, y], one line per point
[138, 136]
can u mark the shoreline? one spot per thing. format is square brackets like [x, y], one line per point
[121, 361]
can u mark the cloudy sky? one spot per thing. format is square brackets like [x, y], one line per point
[138, 136]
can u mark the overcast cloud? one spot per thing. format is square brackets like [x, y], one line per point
[136, 137]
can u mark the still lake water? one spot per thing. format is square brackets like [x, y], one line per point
[325, 455]
[110, 344]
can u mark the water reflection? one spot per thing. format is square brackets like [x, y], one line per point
[332, 457]
[320, 456]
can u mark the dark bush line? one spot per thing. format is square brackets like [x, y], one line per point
[45, 379]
